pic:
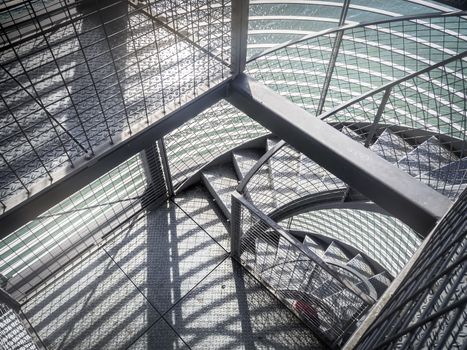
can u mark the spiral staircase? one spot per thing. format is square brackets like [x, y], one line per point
[391, 77]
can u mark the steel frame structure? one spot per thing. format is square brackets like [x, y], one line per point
[388, 187]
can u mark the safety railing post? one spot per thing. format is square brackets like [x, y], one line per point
[235, 228]
[239, 35]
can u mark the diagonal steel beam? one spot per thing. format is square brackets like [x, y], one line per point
[43, 196]
[406, 198]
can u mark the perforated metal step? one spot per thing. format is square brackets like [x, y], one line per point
[428, 156]
[391, 146]
[221, 181]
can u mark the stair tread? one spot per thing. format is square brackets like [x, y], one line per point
[391, 146]
[428, 156]
[314, 246]
[359, 264]
[335, 253]
[245, 159]
[380, 281]
[223, 181]
[284, 166]
[450, 179]
[352, 134]
[314, 178]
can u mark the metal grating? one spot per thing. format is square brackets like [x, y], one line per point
[77, 76]
[383, 238]
[324, 299]
[428, 309]
[205, 137]
[50, 241]
[13, 333]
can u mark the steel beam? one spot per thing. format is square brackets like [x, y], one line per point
[45, 195]
[413, 202]
[239, 35]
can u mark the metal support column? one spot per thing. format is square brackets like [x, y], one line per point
[378, 115]
[165, 167]
[239, 35]
[332, 60]
[413, 202]
[235, 229]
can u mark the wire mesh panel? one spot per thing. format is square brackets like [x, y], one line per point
[322, 71]
[207, 136]
[418, 124]
[44, 245]
[296, 275]
[79, 75]
[13, 333]
[383, 238]
[428, 310]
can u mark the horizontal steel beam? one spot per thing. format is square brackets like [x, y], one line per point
[413, 202]
[45, 195]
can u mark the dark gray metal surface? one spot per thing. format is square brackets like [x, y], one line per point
[404, 197]
[240, 10]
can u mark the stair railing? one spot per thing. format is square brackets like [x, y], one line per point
[324, 299]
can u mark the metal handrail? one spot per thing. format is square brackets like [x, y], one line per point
[264, 158]
[353, 26]
[390, 85]
[303, 249]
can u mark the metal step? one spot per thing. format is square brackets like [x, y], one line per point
[449, 180]
[314, 178]
[314, 246]
[428, 156]
[221, 181]
[359, 264]
[265, 256]
[245, 159]
[381, 282]
[335, 253]
[285, 167]
[352, 134]
[391, 147]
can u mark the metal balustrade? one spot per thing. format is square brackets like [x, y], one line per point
[284, 175]
[77, 76]
[215, 131]
[49, 242]
[428, 307]
[321, 71]
[383, 238]
[324, 298]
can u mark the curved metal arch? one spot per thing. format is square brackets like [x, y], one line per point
[332, 199]
[353, 26]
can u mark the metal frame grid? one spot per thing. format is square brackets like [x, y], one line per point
[35, 251]
[383, 238]
[78, 76]
[428, 309]
[215, 131]
[324, 298]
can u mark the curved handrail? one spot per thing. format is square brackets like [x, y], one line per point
[264, 158]
[301, 248]
[353, 26]
[391, 84]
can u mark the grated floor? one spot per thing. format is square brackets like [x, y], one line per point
[164, 284]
